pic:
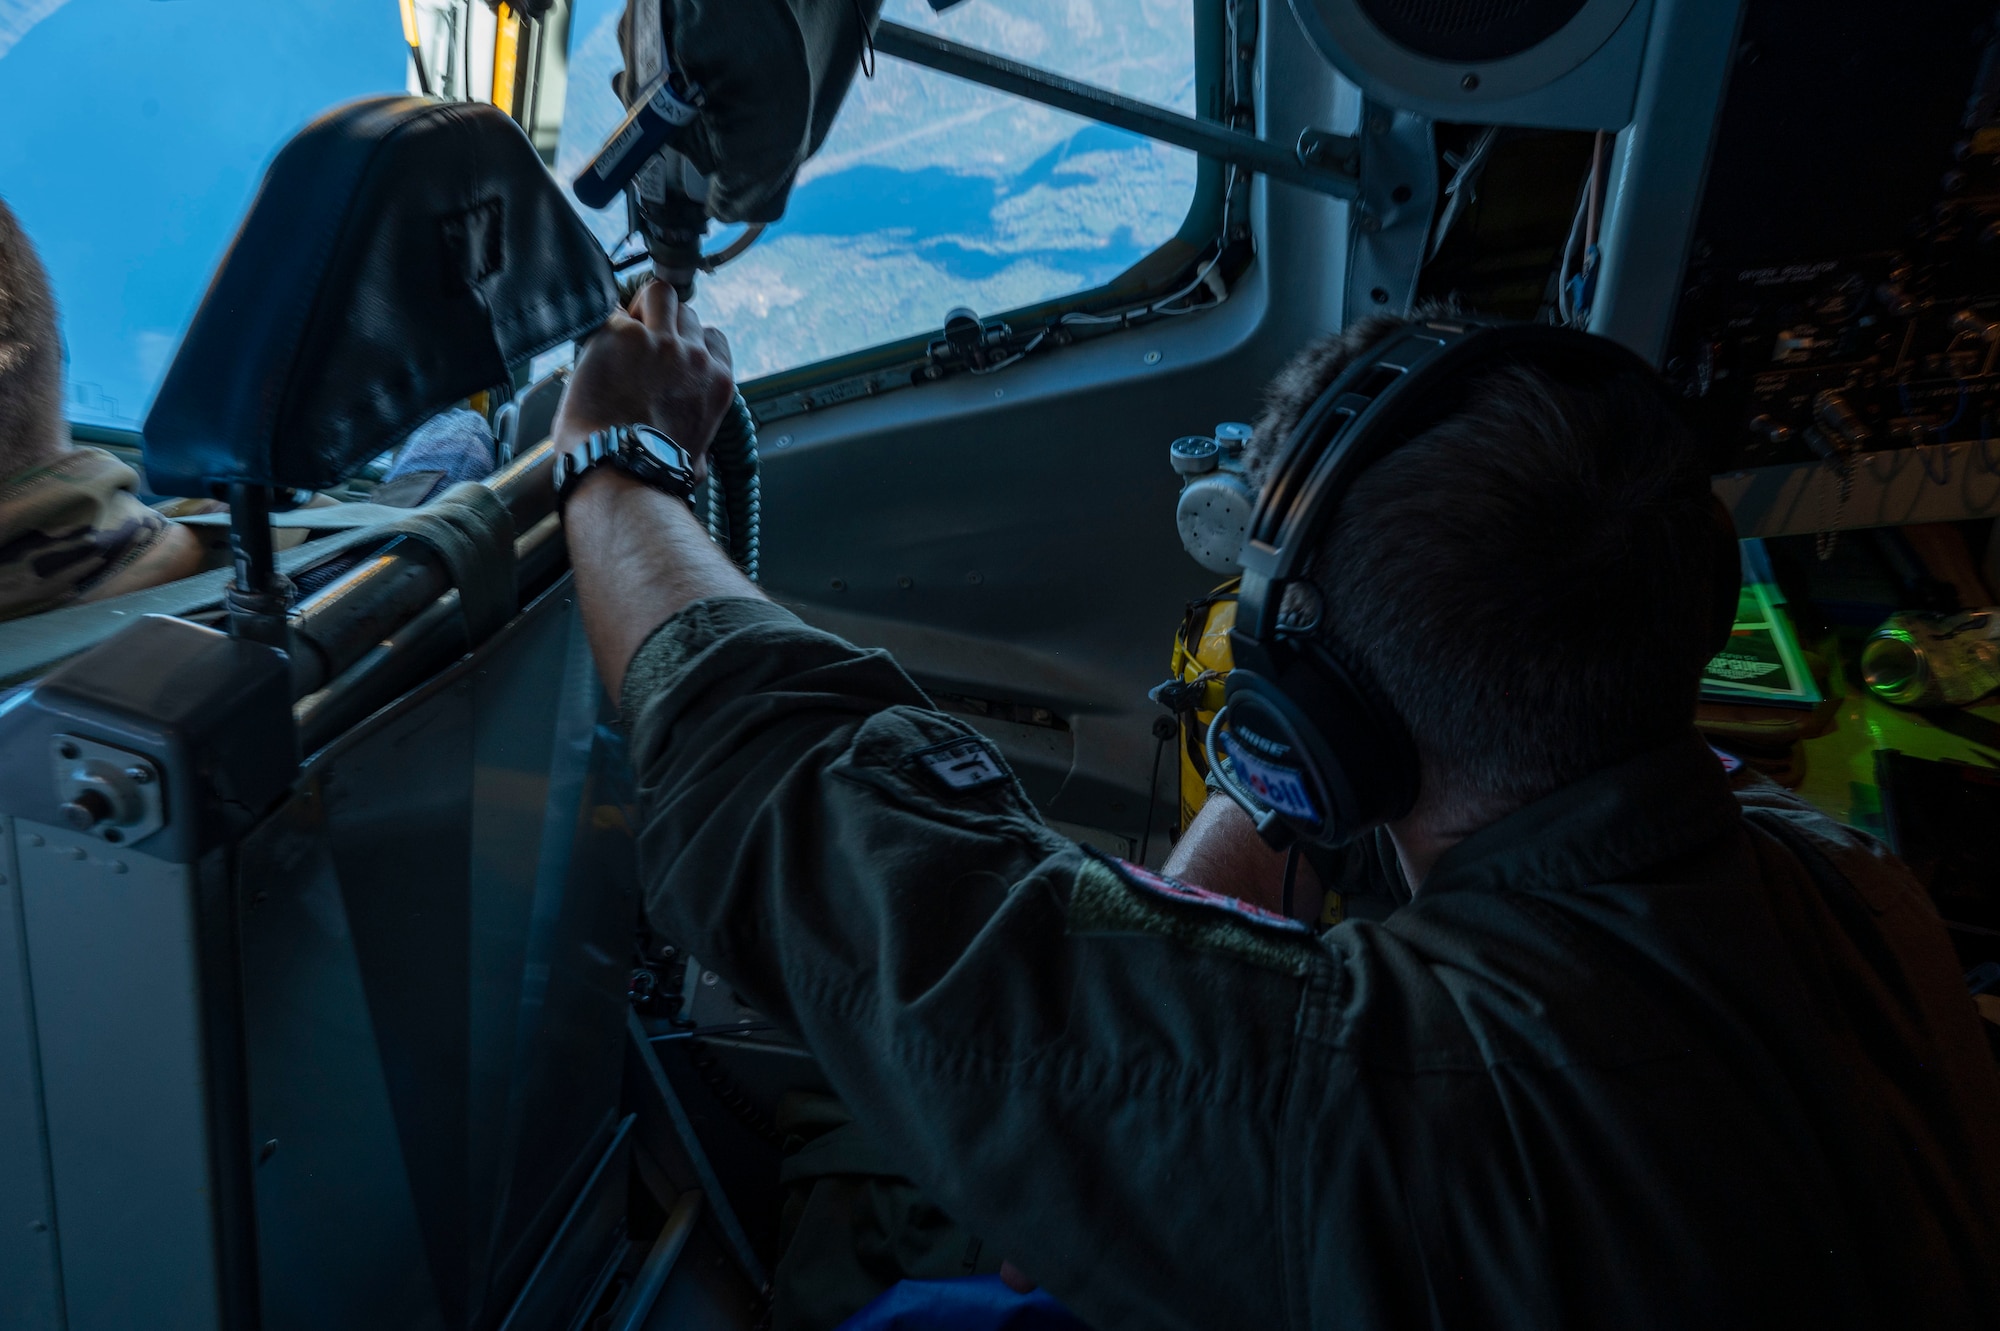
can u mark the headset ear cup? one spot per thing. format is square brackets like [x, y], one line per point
[1359, 760]
[1728, 574]
[1263, 717]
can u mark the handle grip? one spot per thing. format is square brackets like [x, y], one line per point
[654, 121]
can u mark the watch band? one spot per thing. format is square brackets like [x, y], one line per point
[640, 451]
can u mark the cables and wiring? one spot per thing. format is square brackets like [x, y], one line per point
[733, 250]
[1576, 284]
[1002, 364]
[708, 263]
[1162, 306]
[735, 492]
[1164, 729]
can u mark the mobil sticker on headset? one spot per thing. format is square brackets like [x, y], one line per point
[1278, 785]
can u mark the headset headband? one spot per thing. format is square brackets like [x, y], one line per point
[1394, 391]
[1314, 750]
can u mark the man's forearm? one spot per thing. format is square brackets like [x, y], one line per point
[640, 557]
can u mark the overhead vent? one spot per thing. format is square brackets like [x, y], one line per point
[1568, 64]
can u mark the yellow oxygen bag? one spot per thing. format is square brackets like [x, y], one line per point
[1202, 662]
[1201, 665]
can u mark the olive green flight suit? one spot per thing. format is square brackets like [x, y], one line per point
[1648, 1053]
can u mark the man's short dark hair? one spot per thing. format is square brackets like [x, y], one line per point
[30, 354]
[1530, 581]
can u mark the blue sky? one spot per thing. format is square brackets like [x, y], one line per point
[139, 131]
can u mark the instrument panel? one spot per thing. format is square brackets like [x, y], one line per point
[1843, 288]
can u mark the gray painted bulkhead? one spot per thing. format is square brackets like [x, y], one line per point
[1049, 482]
[426, 946]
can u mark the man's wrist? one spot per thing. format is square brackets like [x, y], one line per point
[644, 453]
[598, 485]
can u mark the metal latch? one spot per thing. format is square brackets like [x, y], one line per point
[107, 791]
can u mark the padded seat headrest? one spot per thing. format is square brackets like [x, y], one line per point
[400, 256]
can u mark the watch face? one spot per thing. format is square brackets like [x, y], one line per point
[637, 450]
[658, 447]
[655, 459]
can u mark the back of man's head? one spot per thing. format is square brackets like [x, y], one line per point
[1530, 582]
[30, 355]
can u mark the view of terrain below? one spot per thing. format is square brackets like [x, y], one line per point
[931, 192]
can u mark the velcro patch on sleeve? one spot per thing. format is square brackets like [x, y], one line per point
[961, 766]
[1173, 889]
[1114, 897]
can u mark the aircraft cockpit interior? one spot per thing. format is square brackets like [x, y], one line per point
[332, 994]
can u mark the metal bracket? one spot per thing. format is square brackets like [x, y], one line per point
[1390, 225]
[1323, 150]
[111, 793]
[1331, 173]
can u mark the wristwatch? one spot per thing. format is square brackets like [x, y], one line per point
[639, 451]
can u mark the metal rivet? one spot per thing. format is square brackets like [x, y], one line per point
[73, 852]
[999, 392]
[904, 582]
[1470, 82]
[40, 1226]
[140, 775]
[782, 441]
[1151, 358]
[113, 835]
[839, 584]
[974, 578]
[267, 1150]
[68, 750]
[710, 978]
[116, 866]
[35, 839]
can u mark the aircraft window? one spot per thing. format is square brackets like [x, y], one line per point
[141, 131]
[931, 192]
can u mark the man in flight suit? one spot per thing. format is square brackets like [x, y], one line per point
[72, 528]
[1651, 1046]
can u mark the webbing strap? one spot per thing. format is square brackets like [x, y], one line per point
[468, 526]
[33, 646]
[473, 533]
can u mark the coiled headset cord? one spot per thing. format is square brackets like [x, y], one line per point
[735, 500]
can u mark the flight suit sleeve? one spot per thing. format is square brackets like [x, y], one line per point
[1085, 1065]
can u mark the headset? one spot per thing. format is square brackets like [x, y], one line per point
[1308, 745]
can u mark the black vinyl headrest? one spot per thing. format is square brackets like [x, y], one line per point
[400, 256]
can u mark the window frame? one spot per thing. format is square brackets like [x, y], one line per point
[907, 362]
